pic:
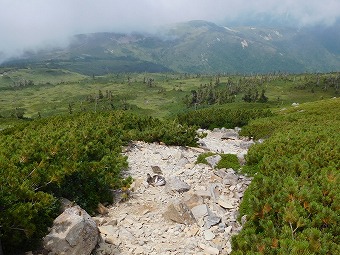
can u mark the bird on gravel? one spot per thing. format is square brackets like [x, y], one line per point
[155, 180]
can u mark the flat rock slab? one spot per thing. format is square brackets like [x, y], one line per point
[226, 204]
[211, 220]
[177, 185]
[200, 211]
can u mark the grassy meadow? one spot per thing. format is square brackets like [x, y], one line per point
[45, 92]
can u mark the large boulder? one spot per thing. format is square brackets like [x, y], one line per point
[73, 232]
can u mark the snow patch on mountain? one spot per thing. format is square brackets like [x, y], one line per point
[231, 30]
[244, 44]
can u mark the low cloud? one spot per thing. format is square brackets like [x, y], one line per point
[33, 24]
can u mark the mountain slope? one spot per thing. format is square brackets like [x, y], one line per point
[198, 46]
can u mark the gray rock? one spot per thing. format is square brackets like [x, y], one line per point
[211, 220]
[214, 189]
[213, 160]
[65, 203]
[246, 144]
[178, 155]
[177, 185]
[73, 232]
[221, 173]
[208, 235]
[230, 134]
[182, 162]
[221, 227]
[230, 179]
[237, 129]
[151, 232]
[200, 211]
[112, 240]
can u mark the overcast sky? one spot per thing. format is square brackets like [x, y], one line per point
[31, 24]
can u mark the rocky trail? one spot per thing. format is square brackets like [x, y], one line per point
[194, 213]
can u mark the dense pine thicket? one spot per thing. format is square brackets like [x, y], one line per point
[210, 118]
[293, 203]
[77, 157]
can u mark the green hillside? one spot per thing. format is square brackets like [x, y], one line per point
[293, 203]
[59, 128]
[196, 47]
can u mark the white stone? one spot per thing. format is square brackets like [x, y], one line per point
[200, 211]
[212, 250]
[108, 230]
[178, 155]
[189, 166]
[209, 250]
[225, 203]
[228, 230]
[176, 184]
[208, 235]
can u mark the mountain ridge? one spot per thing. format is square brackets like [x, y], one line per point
[197, 47]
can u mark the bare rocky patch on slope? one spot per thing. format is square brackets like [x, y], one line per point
[194, 213]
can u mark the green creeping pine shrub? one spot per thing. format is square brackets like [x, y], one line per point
[227, 160]
[219, 117]
[168, 132]
[293, 202]
[201, 159]
[77, 157]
